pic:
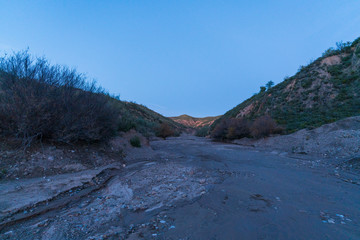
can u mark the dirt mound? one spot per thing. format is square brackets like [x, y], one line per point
[338, 139]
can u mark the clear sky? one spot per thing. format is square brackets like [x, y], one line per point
[196, 57]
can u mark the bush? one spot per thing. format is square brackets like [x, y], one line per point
[39, 101]
[264, 126]
[233, 128]
[164, 131]
[238, 128]
[135, 141]
[220, 130]
[202, 132]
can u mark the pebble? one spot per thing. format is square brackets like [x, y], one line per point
[330, 220]
[9, 232]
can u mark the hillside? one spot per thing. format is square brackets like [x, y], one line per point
[144, 120]
[324, 91]
[44, 102]
[54, 119]
[194, 122]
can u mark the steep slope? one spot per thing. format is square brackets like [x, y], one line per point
[193, 122]
[326, 90]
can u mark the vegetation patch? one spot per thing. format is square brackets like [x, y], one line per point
[135, 141]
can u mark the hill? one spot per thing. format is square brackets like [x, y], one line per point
[323, 92]
[142, 119]
[194, 122]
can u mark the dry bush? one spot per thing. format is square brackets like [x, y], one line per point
[264, 126]
[220, 130]
[164, 131]
[238, 128]
[233, 128]
[39, 101]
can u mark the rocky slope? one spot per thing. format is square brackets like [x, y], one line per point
[322, 92]
[193, 122]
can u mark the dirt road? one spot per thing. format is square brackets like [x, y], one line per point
[192, 188]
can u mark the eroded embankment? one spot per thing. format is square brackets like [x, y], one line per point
[340, 139]
[110, 204]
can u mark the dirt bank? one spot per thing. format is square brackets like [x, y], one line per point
[340, 139]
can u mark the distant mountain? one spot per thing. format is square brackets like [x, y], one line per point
[326, 90]
[194, 122]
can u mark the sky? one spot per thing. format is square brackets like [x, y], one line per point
[200, 58]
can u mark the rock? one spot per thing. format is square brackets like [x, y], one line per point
[330, 220]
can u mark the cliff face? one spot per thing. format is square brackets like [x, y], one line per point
[326, 90]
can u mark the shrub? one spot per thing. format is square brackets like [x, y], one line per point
[269, 84]
[203, 132]
[264, 126]
[233, 128]
[220, 130]
[39, 101]
[135, 141]
[164, 131]
[238, 128]
[330, 52]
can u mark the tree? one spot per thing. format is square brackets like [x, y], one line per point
[269, 84]
[342, 45]
[262, 89]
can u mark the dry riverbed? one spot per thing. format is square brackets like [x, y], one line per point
[188, 188]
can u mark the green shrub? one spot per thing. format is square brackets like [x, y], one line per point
[135, 141]
[335, 70]
[203, 132]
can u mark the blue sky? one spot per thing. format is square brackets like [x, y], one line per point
[196, 57]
